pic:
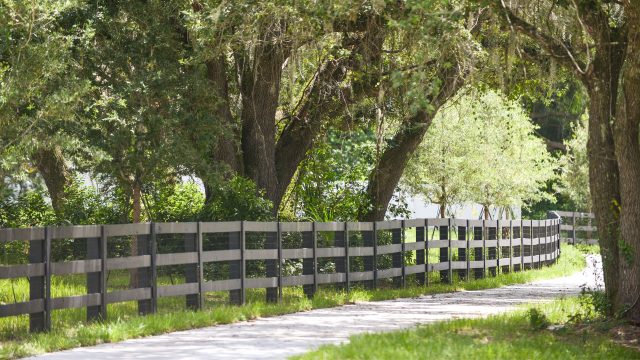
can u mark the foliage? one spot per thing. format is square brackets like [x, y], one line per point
[331, 182]
[537, 319]
[574, 167]
[481, 148]
[238, 199]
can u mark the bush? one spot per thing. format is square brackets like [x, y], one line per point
[537, 319]
[237, 199]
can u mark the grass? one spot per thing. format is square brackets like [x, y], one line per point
[69, 329]
[523, 334]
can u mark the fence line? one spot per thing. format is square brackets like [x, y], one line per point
[356, 251]
[575, 223]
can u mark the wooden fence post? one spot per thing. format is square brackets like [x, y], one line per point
[235, 241]
[280, 261]
[191, 271]
[94, 279]
[310, 265]
[444, 252]
[40, 286]
[347, 263]
[478, 252]
[426, 252]
[375, 254]
[201, 292]
[420, 254]
[467, 253]
[402, 254]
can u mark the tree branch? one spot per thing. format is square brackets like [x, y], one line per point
[557, 49]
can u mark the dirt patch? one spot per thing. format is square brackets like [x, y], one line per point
[626, 335]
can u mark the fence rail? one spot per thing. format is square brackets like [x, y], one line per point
[577, 227]
[356, 251]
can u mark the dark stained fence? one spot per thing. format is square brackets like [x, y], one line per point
[253, 255]
[578, 227]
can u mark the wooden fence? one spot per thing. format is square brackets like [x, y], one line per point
[578, 228]
[354, 249]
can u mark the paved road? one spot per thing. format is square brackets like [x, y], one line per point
[283, 336]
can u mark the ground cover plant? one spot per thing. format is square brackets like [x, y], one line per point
[569, 328]
[70, 330]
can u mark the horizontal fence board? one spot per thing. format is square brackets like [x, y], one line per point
[476, 244]
[505, 261]
[389, 249]
[516, 260]
[577, 214]
[128, 295]
[177, 290]
[438, 222]
[131, 262]
[411, 246]
[459, 222]
[360, 226]
[221, 227]
[76, 267]
[491, 243]
[330, 252]
[434, 244]
[297, 253]
[476, 223]
[75, 232]
[491, 223]
[536, 258]
[361, 251]
[127, 229]
[411, 223]
[526, 241]
[331, 278]
[74, 302]
[388, 225]
[256, 283]
[257, 226]
[222, 285]
[221, 255]
[388, 273]
[21, 270]
[296, 226]
[21, 234]
[458, 265]
[458, 243]
[262, 254]
[415, 269]
[176, 228]
[297, 280]
[527, 259]
[441, 266]
[504, 242]
[492, 262]
[329, 226]
[361, 275]
[176, 258]
[476, 264]
[27, 307]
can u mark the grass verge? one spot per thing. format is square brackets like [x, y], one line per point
[15, 343]
[547, 331]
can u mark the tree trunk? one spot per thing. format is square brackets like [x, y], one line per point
[51, 165]
[385, 176]
[260, 92]
[627, 149]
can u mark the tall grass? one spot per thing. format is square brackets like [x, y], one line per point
[523, 334]
[70, 330]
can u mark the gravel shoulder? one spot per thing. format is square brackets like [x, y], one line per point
[283, 336]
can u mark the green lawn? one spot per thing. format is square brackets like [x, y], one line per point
[70, 330]
[509, 336]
